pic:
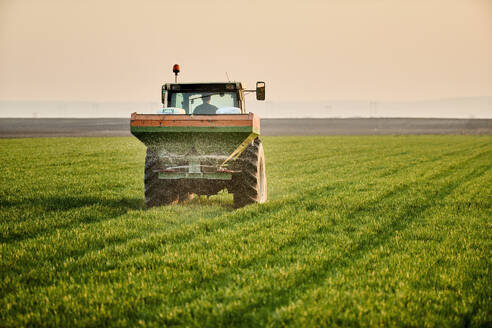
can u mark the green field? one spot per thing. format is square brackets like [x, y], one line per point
[358, 231]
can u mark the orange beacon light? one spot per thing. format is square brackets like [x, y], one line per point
[175, 71]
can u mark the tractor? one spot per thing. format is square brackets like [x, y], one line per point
[201, 142]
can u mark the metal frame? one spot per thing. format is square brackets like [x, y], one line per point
[199, 175]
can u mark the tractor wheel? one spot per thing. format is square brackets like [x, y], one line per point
[157, 191]
[250, 186]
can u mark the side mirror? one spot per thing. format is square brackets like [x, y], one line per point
[260, 90]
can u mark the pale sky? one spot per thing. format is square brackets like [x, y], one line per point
[115, 50]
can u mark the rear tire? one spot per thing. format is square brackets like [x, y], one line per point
[157, 191]
[250, 186]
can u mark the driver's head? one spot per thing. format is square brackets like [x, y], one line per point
[206, 99]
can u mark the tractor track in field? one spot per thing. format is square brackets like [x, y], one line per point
[53, 205]
[117, 127]
[368, 226]
[324, 268]
[185, 235]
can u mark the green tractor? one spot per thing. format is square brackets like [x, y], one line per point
[202, 142]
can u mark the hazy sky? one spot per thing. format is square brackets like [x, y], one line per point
[96, 50]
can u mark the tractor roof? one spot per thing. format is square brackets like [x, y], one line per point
[203, 86]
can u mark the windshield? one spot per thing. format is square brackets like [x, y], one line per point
[203, 102]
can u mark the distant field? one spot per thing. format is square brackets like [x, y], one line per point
[119, 127]
[372, 231]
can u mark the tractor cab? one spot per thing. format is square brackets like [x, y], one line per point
[207, 98]
[204, 98]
